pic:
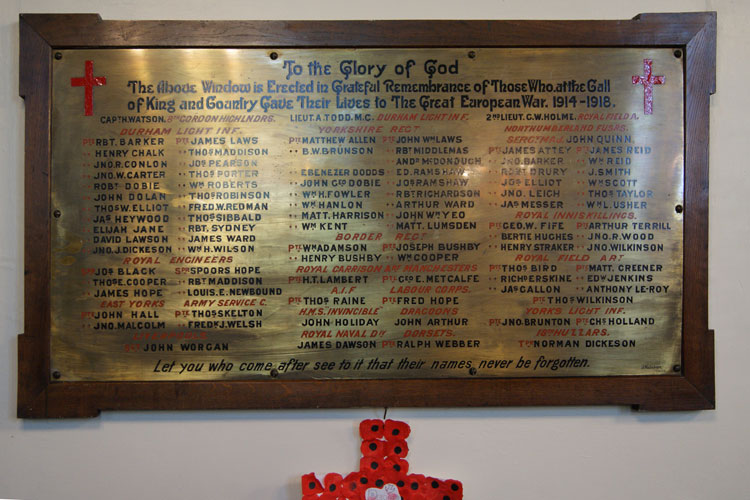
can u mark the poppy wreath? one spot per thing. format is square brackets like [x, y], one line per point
[383, 470]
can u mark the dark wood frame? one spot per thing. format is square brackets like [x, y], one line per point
[42, 34]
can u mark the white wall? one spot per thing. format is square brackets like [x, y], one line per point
[582, 453]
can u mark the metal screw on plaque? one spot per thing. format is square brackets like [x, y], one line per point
[57, 214]
[676, 368]
[472, 54]
[274, 56]
[678, 209]
[56, 374]
[58, 55]
[274, 373]
[678, 53]
[472, 371]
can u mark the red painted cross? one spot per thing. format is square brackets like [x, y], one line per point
[648, 81]
[88, 82]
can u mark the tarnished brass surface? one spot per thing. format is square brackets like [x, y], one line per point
[378, 213]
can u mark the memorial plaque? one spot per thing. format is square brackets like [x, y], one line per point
[274, 214]
[366, 213]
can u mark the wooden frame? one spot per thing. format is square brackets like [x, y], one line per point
[42, 34]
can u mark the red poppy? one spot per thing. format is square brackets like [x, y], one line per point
[373, 448]
[397, 449]
[413, 495]
[352, 489]
[395, 468]
[378, 480]
[455, 488]
[371, 429]
[333, 483]
[414, 484]
[384, 449]
[396, 430]
[310, 484]
[400, 483]
[433, 484]
[443, 494]
[366, 480]
[371, 464]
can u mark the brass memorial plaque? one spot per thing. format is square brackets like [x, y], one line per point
[366, 213]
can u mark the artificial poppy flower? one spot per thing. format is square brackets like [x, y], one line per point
[373, 448]
[310, 484]
[396, 430]
[433, 483]
[352, 489]
[414, 483]
[395, 468]
[455, 488]
[379, 481]
[396, 449]
[365, 480]
[382, 466]
[371, 429]
[333, 483]
[371, 464]
[447, 495]
[413, 495]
